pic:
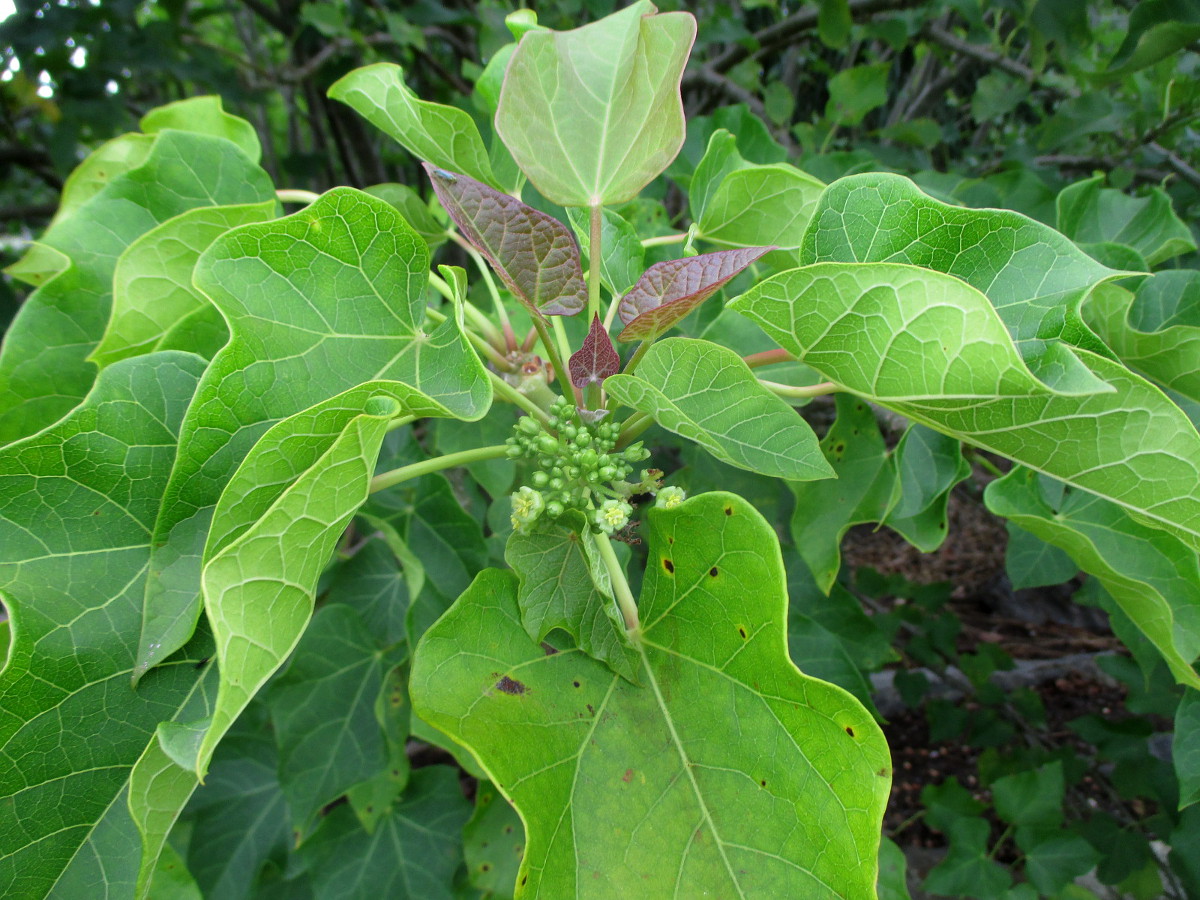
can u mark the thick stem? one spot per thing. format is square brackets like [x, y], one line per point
[560, 371]
[286, 195]
[634, 426]
[448, 461]
[767, 358]
[594, 251]
[507, 392]
[637, 357]
[620, 584]
[792, 392]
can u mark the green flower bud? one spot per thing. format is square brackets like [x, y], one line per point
[540, 479]
[588, 459]
[583, 438]
[554, 509]
[547, 444]
[529, 425]
[607, 473]
[527, 505]
[514, 452]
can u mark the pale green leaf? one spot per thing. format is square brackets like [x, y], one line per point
[738, 204]
[317, 303]
[152, 284]
[893, 866]
[856, 91]
[493, 843]
[564, 584]
[1033, 276]
[258, 590]
[432, 132]
[1153, 576]
[934, 349]
[204, 115]
[594, 114]
[707, 394]
[414, 210]
[77, 505]
[928, 465]
[1091, 213]
[172, 880]
[412, 854]
[43, 367]
[98, 168]
[1155, 331]
[726, 773]
[1031, 562]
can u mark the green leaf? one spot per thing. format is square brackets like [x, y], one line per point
[172, 880]
[493, 843]
[669, 290]
[1155, 331]
[861, 491]
[1091, 213]
[1157, 28]
[934, 349]
[594, 114]
[1185, 748]
[1033, 276]
[533, 253]
[204, 115]
[1055, 862]
[374, 798]
[739, 204]
[323, 710]
[317, 302]
[622, 257]
[818, 652]
[967, 870]
[726, 773]
[707, 394]
[412, 854]
[855, 92]
[152, 286]
[414, 210]
[564, 584]
[996, 95]
[893, 866]
[43, 367]
[928, 465]
[372, 583]
[1032, 797]
[834, 23]
[77, 505]
[258, 590]
[432, 132]
[1153, 576]
[1031, 562]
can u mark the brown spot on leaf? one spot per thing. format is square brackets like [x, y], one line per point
[882, 773]
[763, 783]
[849, 731]
[713, 572]
[628, 776]
[576, 683]
[511, 686]
[729, 510]
[669, 566]
[742, 632]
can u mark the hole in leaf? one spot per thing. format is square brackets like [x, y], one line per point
[669, 566]
[524, 878]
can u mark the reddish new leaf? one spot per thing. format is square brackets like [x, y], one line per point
[670, 290]
[535, 254]
[596, 359]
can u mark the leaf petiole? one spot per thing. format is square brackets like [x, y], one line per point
[593, 278]
[285, 195]
[426, 466]
[510, 339]
[560, 370]
[476, 341]
[799, 392]
[507, 392]
[664, 240]
[620, 584]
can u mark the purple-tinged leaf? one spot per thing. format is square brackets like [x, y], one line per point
[596, 359]
[535, 254]
[670, 290]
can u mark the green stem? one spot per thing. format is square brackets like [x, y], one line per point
[637, 357]
[612, 311]
[510, 339]
[664, 240]
[439, 284]
[560, 371]
[634, 426]
[1008, 830]
[506, 391]
[400, 422]
[594, 251]
[620, 584]
[767, 358]
[448, 461]
[984, 463]
[476, 341]
[560, 335]
[793, 392]
[289, 195]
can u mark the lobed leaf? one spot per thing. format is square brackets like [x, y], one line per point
[444, 135]
[707, 394]
[668, 291]
[533, 253]
[594, 114]
[727, 773]
[935, 350]
[565, 585]
[595, 359]
[1089, 213]
[77, 505]
[317, 303]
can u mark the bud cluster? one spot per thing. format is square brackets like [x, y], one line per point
[576, 465]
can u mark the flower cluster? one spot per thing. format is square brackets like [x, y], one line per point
[577, 467]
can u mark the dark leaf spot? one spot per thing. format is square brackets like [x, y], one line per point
[729, 510]
[628, 776]
[849, 731]
[202, 663]
[839, 448]
[591, 709]
[883, 773]
[713, 571]
[742, 632]
[508, 829]
[576, 683]
[763, 783]
[669, 566]
[670, 540]
[511, 686]
[485, 867]
[548, 650]
[524, 878]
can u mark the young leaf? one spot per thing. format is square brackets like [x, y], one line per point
[856, 91]
[596, 358]
[204, 115]
[444, 135]
[594, 114]
[77, 506]
[726, 773]
[1153, 576]
[317, 302]
[258, 590]
[707, 394]
[1090, 213]
[864, 326]
[743, 205]
[668, 291]
[152, 284]
[532, 252]
[564, 584]
[1155, 331]
[43, 367]
[1033, 276]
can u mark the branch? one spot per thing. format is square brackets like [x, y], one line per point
[27, 211]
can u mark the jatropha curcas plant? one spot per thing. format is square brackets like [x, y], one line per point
[218, 419]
